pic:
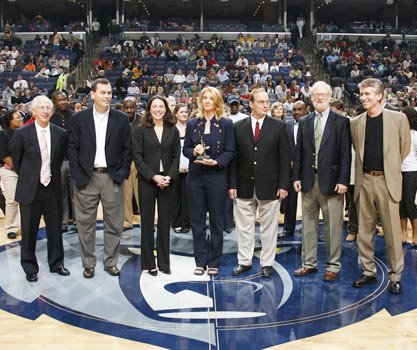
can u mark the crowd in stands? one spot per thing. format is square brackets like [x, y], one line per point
[349, 62]
[370, 27]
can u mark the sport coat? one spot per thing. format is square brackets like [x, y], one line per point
[148, 151]
[291, 142]
[27, 161]
[82, 146]
[333, 156]
[396, 142]
[262, 165]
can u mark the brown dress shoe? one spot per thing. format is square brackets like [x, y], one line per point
[351, 237]
[88, 272]
[329, 276]
[112, 270]
[303, 271]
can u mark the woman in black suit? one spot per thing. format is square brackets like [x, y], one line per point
[209, 134]
[156, 147]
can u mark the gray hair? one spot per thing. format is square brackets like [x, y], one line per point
[38, 100]
[321, 84]
[374, 84]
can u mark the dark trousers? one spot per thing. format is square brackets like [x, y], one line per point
[228, 213]
[206, 192]
[48, 204]
[290, 209]
[352, 225]
[180, 213]
[408, 207]
[2, 203]
[149, 194]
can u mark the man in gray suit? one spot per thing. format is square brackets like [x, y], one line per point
[100, 156]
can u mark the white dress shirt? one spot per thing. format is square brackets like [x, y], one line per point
[100, 126]
[253, 122]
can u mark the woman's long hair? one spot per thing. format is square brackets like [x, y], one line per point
[218, 102]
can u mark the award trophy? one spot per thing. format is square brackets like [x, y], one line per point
[204, 155]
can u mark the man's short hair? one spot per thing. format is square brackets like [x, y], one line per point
[102, 81]
[374, 84]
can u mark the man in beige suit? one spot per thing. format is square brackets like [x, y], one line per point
[381, 139]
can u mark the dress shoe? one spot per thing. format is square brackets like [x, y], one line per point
[394, 287]
[239, 269]
[267, 271]
[64, 227]
[127, 228]
[88, 272]
[303, 271]
[285, 234]
[364, 281]
[185, 230]
[153, 272]
[11, 235]
[112, 270]
[329, 276]
[62, 270]
[166, 271]
[32, 277]
[228, 230]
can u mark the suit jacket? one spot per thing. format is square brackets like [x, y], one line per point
[397, 142]
[82, 146]
[263, 165]
[27, 161]
[291, 142]
[333, 156]
[148, 151]
[221, 135]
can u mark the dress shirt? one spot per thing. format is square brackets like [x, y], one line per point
[253, 122]
[47, 129]
[296, 132]
[100, 126]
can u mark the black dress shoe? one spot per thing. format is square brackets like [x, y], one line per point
[11, 235]
[153, 272]
[112, 270]
[239, 269]
[62, 270]
[267, 271]
[395, 287]
[285, 234]
[364, 281]
[228, 230]
[32, 277]
[88, 272]
[166, 271]
[64, 227]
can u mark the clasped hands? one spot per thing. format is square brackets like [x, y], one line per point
[162, 181]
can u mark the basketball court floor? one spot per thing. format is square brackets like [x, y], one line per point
[183, 311]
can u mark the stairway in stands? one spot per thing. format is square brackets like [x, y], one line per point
[309, 51]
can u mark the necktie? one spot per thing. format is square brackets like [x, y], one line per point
[318, 131]
[45, 176]
[257, 131]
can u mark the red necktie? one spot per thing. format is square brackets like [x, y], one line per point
[257, 131]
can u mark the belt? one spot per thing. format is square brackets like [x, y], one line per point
[100, 170]
[374, 172]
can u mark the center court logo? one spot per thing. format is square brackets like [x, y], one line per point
[181, 308]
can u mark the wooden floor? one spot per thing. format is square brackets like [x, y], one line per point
[381, 332]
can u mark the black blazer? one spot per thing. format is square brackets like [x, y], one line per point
[263, 165]
[290, 131]
[334, 154]
[148, 151]
[27, 161]
[82, 146]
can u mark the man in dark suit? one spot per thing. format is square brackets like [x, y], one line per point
[62, 118]
[38, 151]
[290, 203]
[321, 172]
[259, 178]
[100, 156]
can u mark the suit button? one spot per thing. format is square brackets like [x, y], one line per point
[314, 154]
[252, 178]
[254, 163]
[256, 148]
